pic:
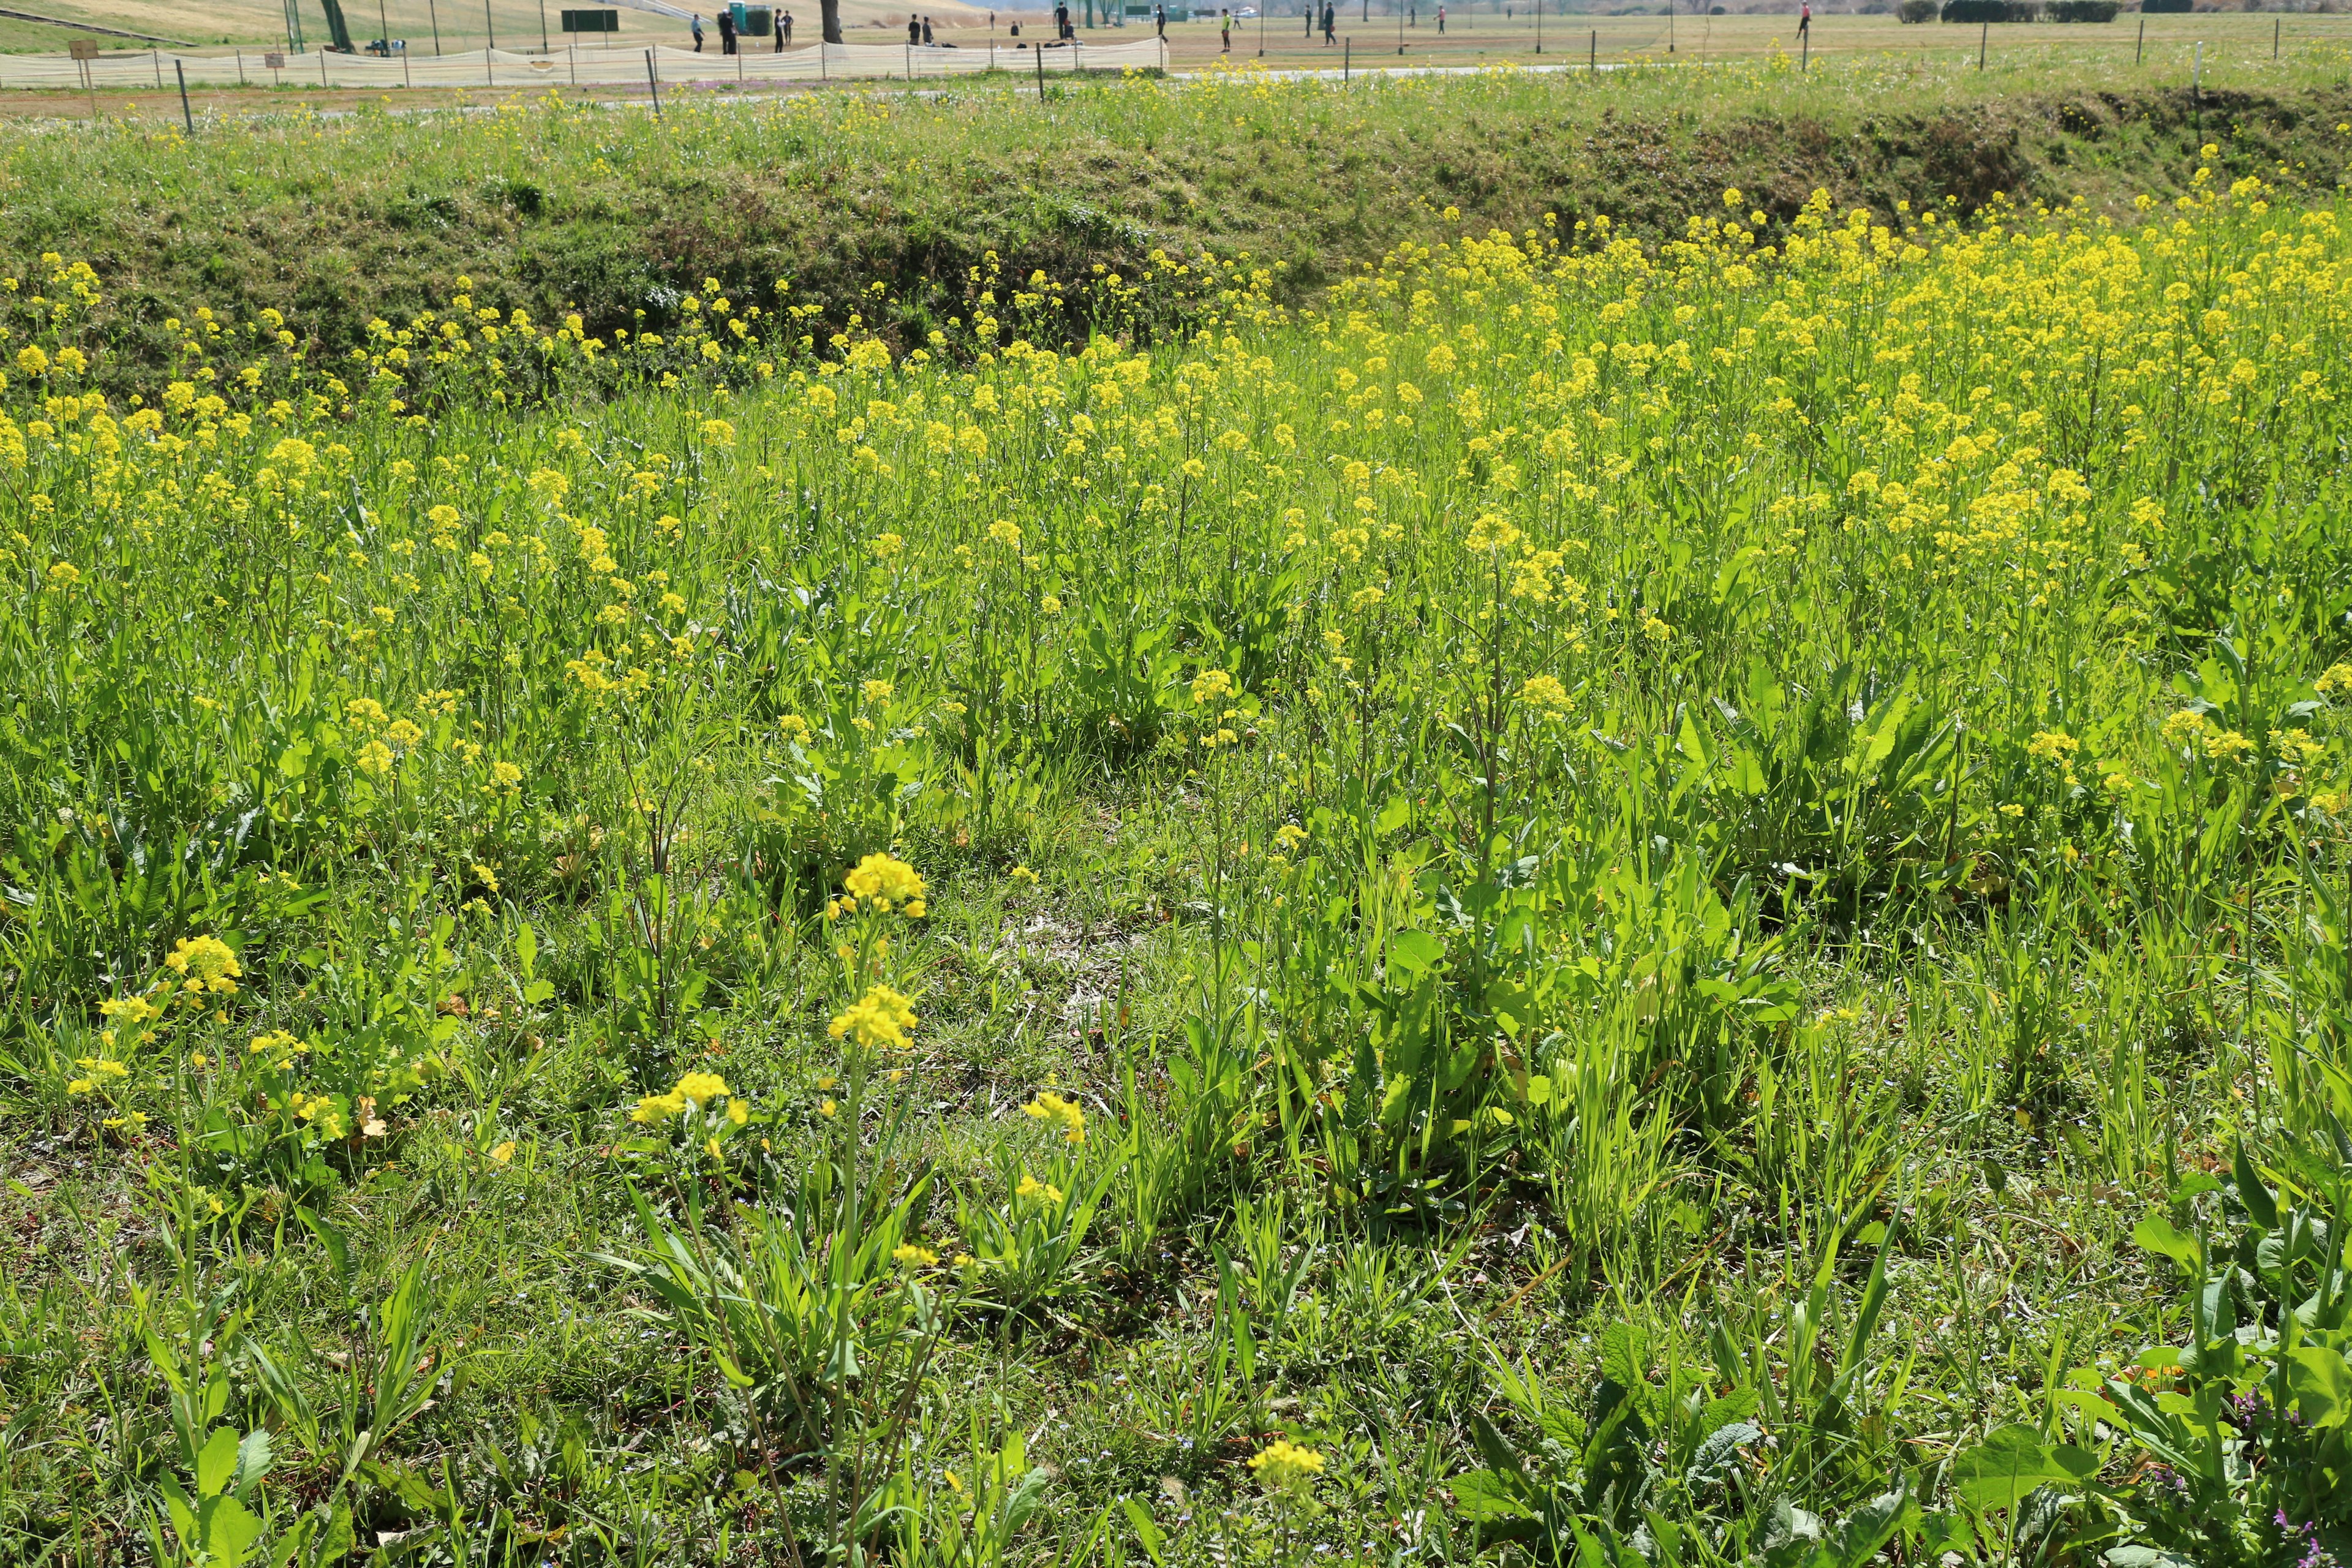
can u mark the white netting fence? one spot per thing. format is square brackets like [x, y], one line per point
[578, 65]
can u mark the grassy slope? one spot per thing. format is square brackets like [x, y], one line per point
[610, 213]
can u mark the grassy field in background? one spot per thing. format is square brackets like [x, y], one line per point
[1493, 819]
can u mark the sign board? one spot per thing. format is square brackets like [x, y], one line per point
[591, 21]
[83, 48]
[274, 60]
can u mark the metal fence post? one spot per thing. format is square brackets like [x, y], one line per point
[653, 80]
[188, 115]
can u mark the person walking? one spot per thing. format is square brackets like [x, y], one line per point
[1160, 19]
[1330, 22]
[1225, 26]
[1805, 21]
[698, 32]
[784, 32]
[1441, 21]
[726, 30]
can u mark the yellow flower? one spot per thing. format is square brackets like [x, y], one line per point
[1023, 874]
[205, 960]
[876, 691]
[699, 1087]
[1031, 1187]
[1211, 685]
[656, 1108]
[1051, 1107]
[375, 757]
[1492, 530]
[503, 1153]
[1285, 1464]
[877, 1020]
[1546, 692]
[884, 882]
[2052, 746]
[909, 1256]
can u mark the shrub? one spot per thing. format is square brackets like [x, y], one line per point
[2083, 10]
[2148, 7]
[1918, 10]
[1972, 11]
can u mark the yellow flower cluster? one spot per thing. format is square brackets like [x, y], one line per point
[883, 882]
[1286, 1464]
[1051, 1108]
[692, 1092]
[879, 1020]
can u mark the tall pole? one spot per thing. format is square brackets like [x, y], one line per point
[434, 12]
[489, 26]
[543, 48]
[1401, 5]
[1261, 32]
[2141, 49]
[1538, 26]
[653, 80]
[1984, 37]
[384, 22]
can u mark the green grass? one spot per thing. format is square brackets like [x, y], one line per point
[1676, 880]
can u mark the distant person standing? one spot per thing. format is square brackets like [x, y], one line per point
[1160, 19]
[926, 29]
[914, 31]
[698, 32]
[727, 31]
[1226, 28]
[784, 32]
[1412, 16]
[1441, 21]
[1805, 21]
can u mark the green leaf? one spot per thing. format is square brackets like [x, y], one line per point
[230, 1531]
[2157, 1234]
[2011, 1464]
[2322, 1383]
[527, 949]
[2261, 1207]
[216, 1463]
[1414, 952]
[1146, 1529]
[2143, 1557]
[253, 1461]
[1485, 1497]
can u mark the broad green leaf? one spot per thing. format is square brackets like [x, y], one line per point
[1147, 1530]
[2261, 1207]
[1486, 1497]
[2322, 1383]
[1414, 952]
[2157, 1234]
[216, 1463]
[2009, 1464]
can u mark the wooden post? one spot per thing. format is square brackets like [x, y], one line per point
[2141, 49]
[1595, 61]
[188, 115]
[1039, 51]
[1984, 38]
[653, 80]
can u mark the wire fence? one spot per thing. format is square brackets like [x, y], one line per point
[572, 66]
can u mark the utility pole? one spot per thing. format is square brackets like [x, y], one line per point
[489, 26]
[434, 11]
[543, 48]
